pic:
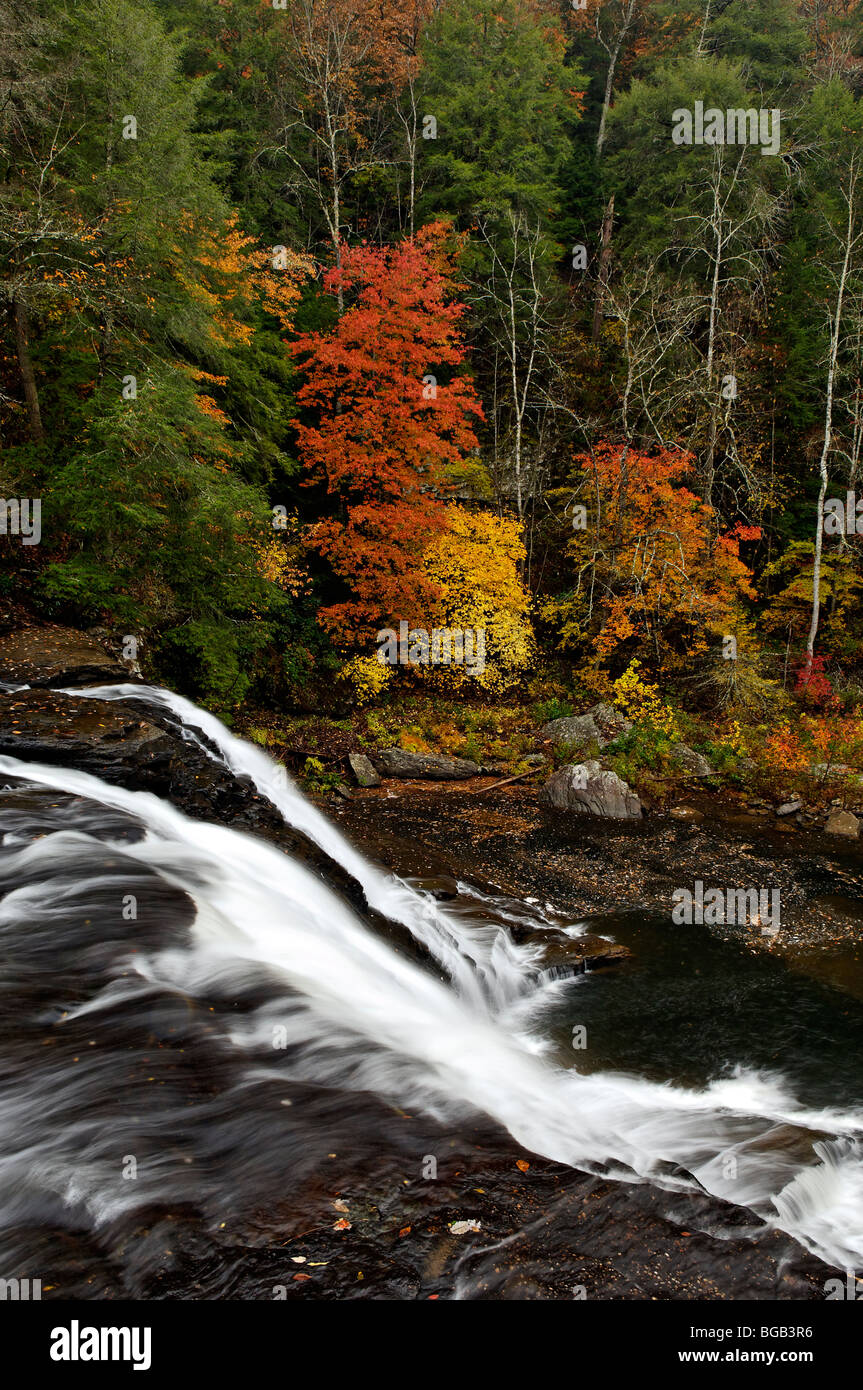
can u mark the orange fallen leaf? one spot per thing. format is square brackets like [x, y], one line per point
[342, 1225]
[405, 1231]
[523, 1164]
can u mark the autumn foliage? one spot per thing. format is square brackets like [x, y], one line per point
[476, 565]
[389, 416]
[653, 566]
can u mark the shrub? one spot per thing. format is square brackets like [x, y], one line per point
[367, 676]
[642, 702]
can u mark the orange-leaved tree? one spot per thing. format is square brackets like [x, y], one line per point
[391, 415]
[652, 572]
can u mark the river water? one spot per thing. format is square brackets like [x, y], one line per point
[191, 1021]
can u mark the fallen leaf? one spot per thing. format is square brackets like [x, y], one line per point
[340, 1205]
[523, 1164]
[297, 1277]
[405, 1231]
[342, 1225]
[461, 1228]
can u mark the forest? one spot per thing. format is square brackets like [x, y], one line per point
[534, 326]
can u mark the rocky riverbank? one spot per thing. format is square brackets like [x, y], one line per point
[589, 868]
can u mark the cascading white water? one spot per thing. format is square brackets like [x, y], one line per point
[353, 1010]
[483, 964]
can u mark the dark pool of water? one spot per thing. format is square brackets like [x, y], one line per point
[688, 1007]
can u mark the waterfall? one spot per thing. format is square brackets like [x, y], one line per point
[326, 1004]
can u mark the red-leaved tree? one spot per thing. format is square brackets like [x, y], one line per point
[392, 414]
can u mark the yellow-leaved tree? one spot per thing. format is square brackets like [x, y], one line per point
[475, 565]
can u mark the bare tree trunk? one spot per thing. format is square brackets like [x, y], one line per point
[25, 365]
[613, 51]
[828, 423]
[106, 338]
[335, 215]
[710, 464]
[606, 100]
[409, 122]
[516, 295]
[604, 267]
[711, 350]
[703, 35]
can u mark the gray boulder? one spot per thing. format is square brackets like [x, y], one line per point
[588, 789]
[600, 725]
[363, 770]
[843, 823]
[395, 762]
[692, 762]
[574, 732]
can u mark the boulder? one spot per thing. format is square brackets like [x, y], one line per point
[396, 762]
[574, 732]
[600, 725]
[609, 721]
[842, 823]
[590, 790]
[690, 761]
[363, 770]
[46, 656]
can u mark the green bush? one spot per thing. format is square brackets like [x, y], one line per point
[547, 710]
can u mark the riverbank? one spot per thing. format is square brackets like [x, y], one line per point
[589, 867]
